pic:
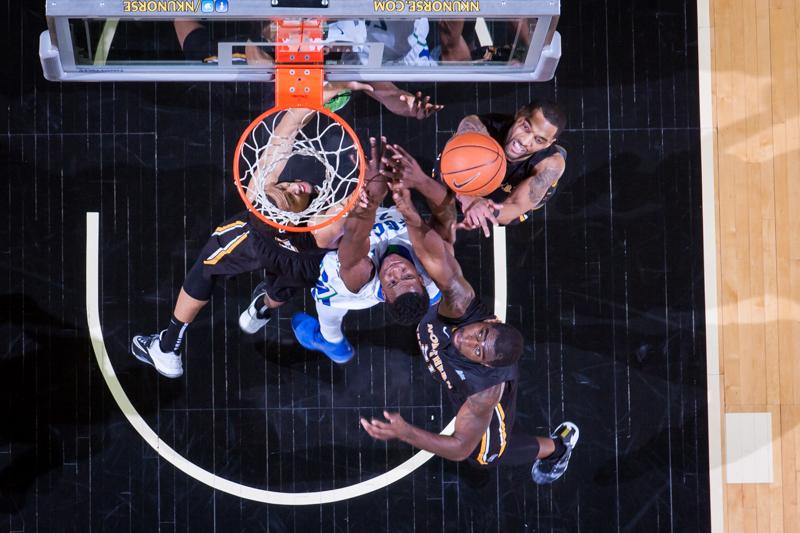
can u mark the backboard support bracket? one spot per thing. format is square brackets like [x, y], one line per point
[299, 75]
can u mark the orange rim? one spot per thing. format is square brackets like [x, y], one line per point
[351, 201]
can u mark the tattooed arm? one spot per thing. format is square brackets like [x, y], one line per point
[436, 255]
[529, 193]
[483, 213]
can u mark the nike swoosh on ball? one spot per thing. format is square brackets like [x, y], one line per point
[462, 183]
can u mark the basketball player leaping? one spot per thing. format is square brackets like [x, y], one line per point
[375, 263]
[534, 163]
[467, 349]
[246, 244]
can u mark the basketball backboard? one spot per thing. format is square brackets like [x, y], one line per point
[367, 40]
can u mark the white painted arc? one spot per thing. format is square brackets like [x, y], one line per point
[204, 476]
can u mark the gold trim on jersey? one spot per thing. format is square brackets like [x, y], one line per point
[503, 439]
[486, 440]
[484, 445]
[214, 258]
[228, 227]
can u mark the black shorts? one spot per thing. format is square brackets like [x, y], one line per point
[495, 439]
[236, 247]
[520, 448]
[496, 442]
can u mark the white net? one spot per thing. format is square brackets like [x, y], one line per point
[329, 162]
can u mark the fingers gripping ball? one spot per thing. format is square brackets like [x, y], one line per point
[473, 164]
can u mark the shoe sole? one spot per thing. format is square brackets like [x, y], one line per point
[139, 353]
[246, 313]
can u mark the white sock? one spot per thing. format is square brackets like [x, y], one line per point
[331, 333]
[330, 322]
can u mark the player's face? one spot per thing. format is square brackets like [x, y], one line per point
[476, 342]
[399, 276]
[528, 135]
[297, 193]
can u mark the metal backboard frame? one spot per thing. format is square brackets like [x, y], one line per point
[69, 21]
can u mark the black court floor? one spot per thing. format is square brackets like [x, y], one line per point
[606, 283]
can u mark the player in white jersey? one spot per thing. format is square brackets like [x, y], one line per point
[374, 263]
[396, 279]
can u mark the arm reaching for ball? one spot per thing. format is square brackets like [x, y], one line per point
[472, 420]
[439, 198]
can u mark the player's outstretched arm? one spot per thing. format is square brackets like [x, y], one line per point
[440, 199]
[333, 89]
[436, 255]
[529, 193]
[482, 212]
[355, 266]
[471, 422]
[402, 102]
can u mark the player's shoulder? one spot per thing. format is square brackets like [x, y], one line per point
[487, 398]
[555, 163]
[556, 160]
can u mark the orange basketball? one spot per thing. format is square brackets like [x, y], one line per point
[473, 164]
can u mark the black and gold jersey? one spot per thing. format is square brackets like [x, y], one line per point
[463, 377]
[301, 243]
[498, 126]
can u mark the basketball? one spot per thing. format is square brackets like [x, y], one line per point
[473, 164]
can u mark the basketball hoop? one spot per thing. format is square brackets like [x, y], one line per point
[299, 126]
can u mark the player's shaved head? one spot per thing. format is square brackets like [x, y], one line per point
[508, 345]
[489, 343]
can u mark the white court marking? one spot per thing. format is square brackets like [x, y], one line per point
[209, 478]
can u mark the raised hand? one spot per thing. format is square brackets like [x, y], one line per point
[419, 106]
[480, 213]
[402, 199]
[375, 163]
[375, 188]
[395, 427]
[402, 165]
